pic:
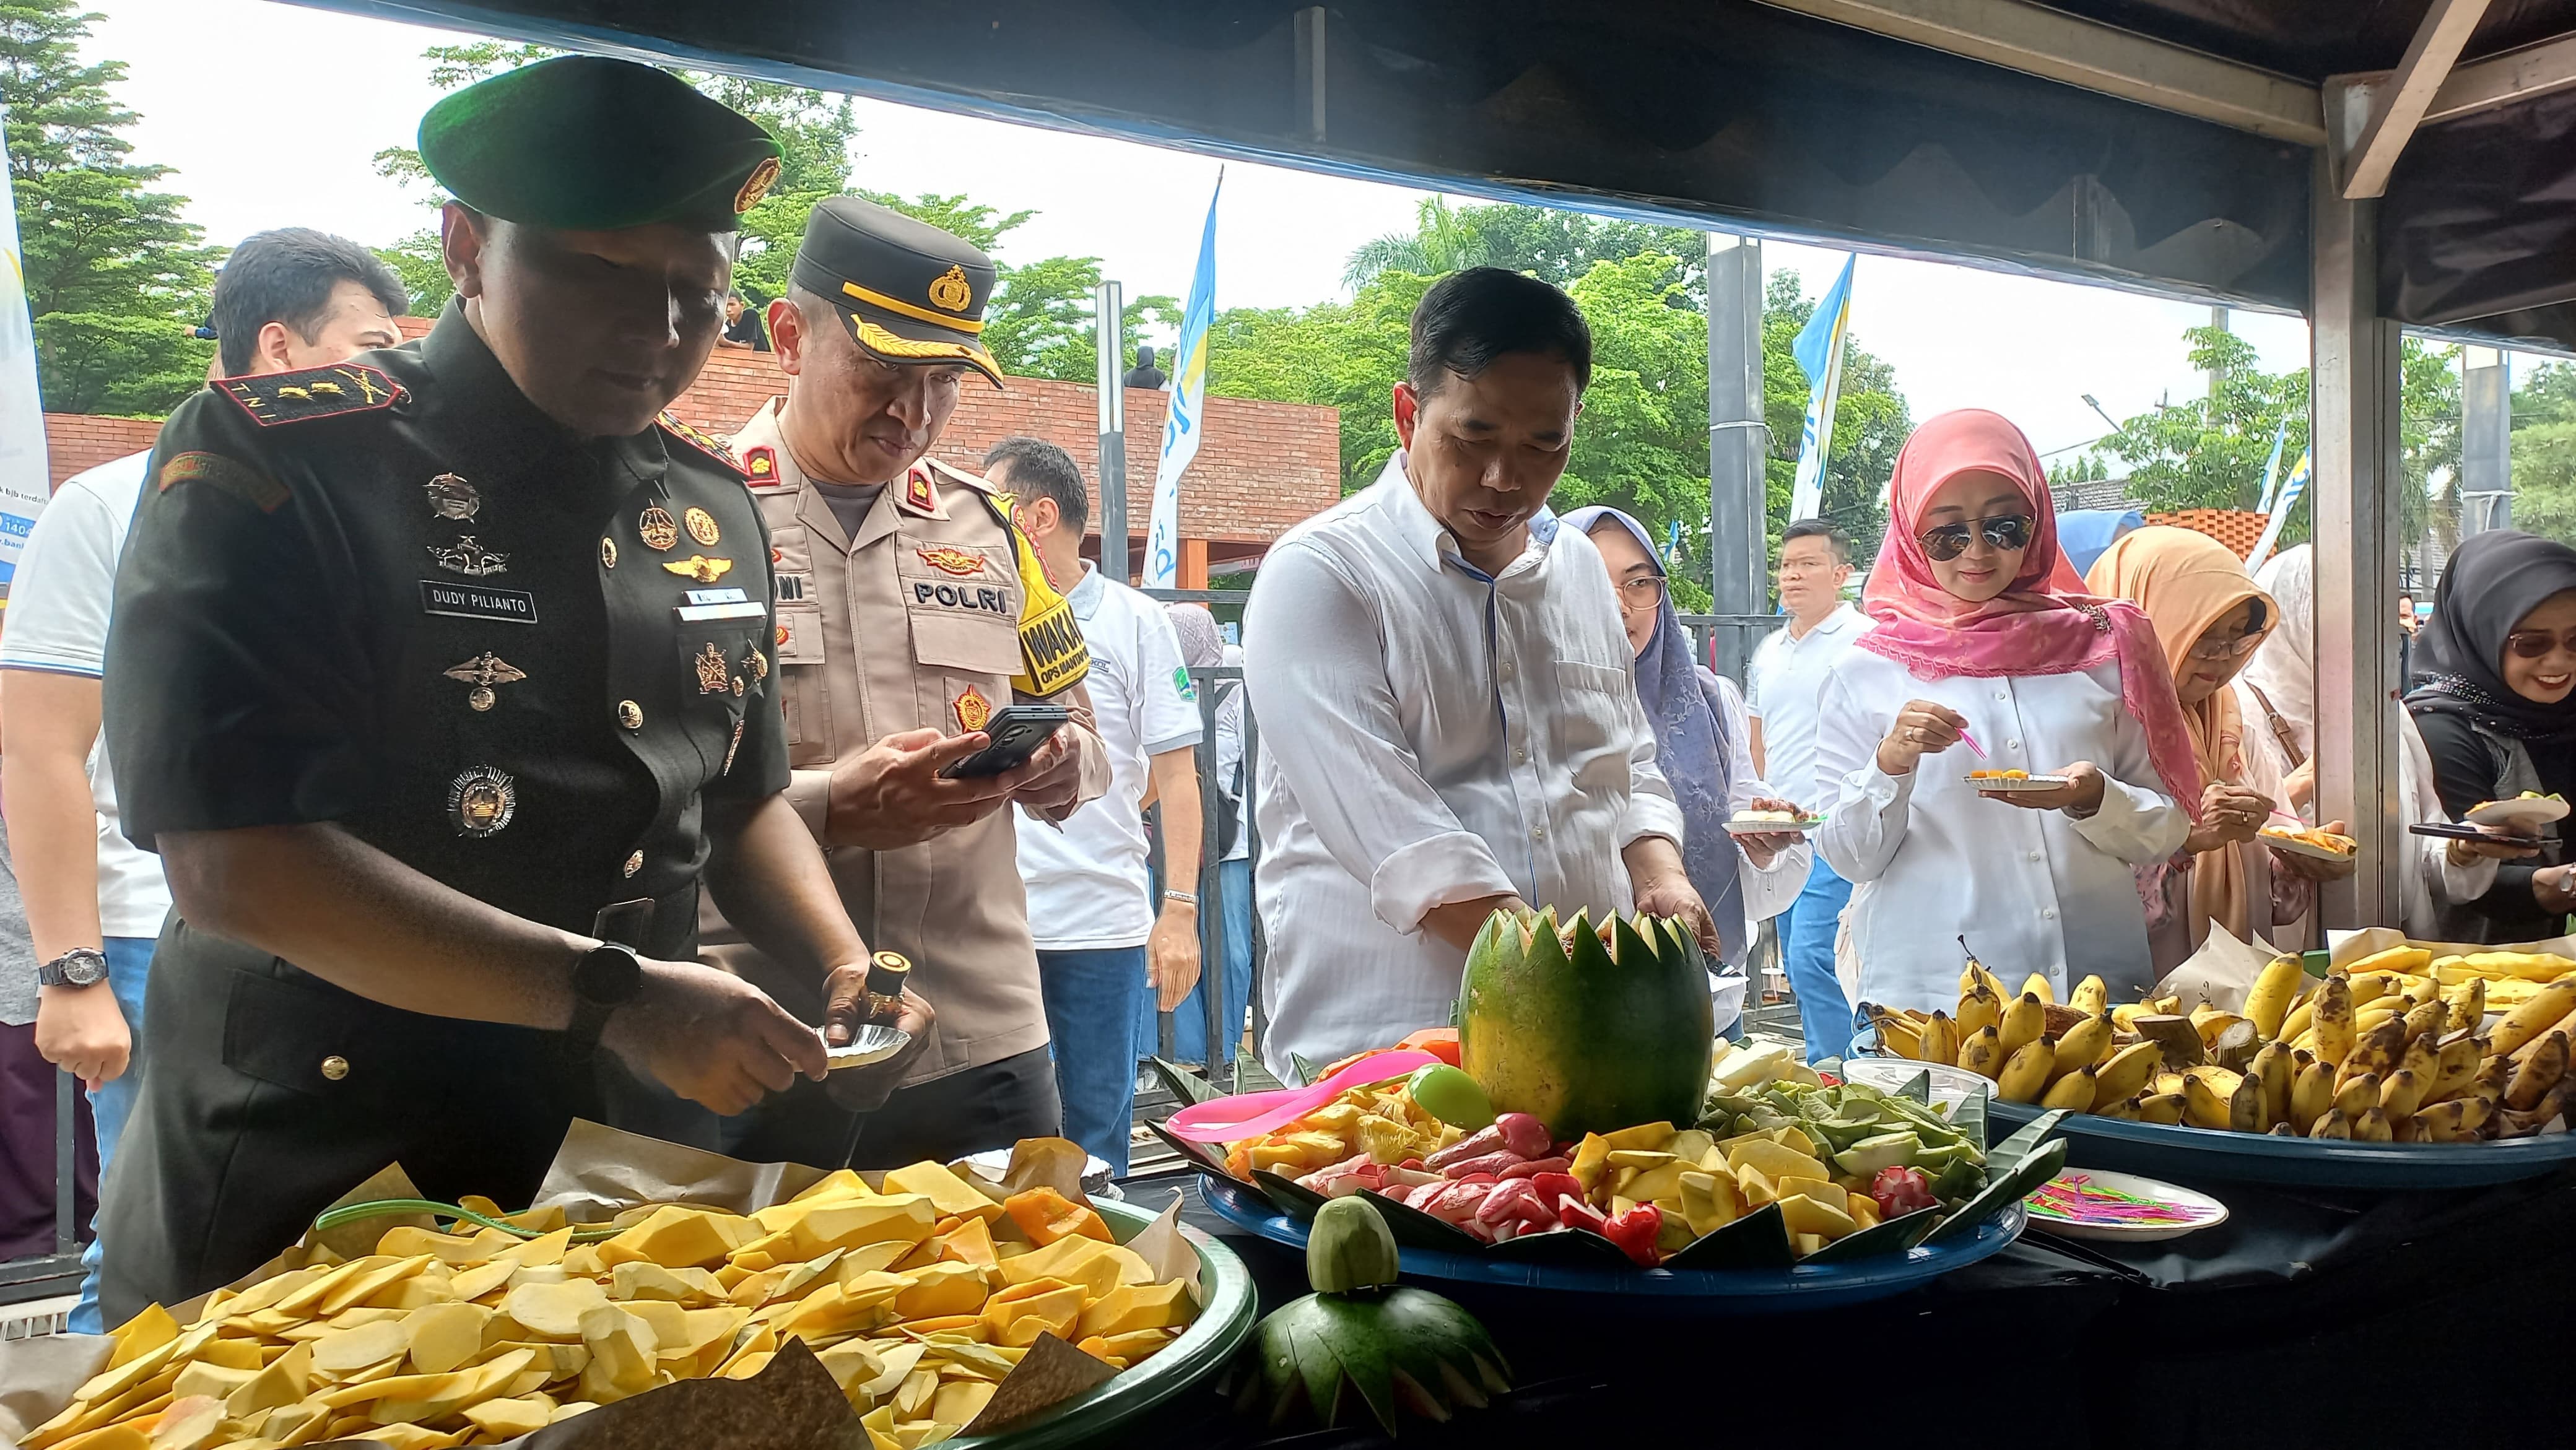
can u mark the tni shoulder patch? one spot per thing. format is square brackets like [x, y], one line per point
[231, 476]
[701, 442]
[325, 392]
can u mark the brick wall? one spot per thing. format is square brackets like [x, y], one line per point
[77, 442]
[1260, 468]
[2238, 529]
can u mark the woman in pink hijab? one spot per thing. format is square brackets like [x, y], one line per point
[1982, 633]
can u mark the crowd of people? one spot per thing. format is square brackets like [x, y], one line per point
[488, 740]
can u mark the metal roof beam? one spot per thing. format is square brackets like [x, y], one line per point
[2483, 85]
[2021, 36]
[2398, 106]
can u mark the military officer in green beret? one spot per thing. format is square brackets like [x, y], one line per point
[447, 677]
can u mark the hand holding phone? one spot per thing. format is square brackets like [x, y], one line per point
[1016, 730]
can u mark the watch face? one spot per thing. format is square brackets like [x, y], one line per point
[608, 975]
[76, 969]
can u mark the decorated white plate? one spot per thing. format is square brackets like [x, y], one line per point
[2087, 1203]
[2008, 785]
[2526, 814]
[1749, 826]
[2292, 845]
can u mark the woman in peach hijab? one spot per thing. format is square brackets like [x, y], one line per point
[2210, 618]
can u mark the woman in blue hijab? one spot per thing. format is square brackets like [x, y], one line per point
[1700, 745]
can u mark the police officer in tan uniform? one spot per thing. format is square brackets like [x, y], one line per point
[909, 612]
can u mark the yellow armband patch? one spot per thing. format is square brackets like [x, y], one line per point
[1051, 645]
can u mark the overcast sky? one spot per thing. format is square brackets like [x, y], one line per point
[270, 114]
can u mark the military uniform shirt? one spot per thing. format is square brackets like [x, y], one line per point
[394, 596]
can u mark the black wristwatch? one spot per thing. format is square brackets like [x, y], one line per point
[79, 967]
[607, 977]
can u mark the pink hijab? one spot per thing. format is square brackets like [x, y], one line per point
[2045, 624]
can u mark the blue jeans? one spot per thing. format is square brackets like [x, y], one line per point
[129, 966]
[1189, 1020]
[1092, 1002]
[1807, 951]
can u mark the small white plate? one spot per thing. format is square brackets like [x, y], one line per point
[2007, 786]
[2296, 847]
[2521, 815]
[874, 1042]
[2198, 1210]
[1096, 1178]
[1772, 828]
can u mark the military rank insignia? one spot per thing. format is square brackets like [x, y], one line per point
[309, 393]
[918, 495]
[760, 465]
[481, 801]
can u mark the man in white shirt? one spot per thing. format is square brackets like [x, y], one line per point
[1107, 956]
[1786, 679]
[285, 300]
[1444, 696]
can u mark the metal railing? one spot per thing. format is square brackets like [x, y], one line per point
[59, 1272]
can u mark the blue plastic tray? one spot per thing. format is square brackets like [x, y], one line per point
[2193, 1155]
[1695, 1291]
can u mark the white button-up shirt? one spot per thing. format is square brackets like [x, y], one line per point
[1782, 687]
[1931, 860]
[1429, 735]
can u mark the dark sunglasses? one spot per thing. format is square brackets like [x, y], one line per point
[2534, 643]
[2009, 532]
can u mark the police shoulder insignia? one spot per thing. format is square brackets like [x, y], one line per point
[700, 441]
[760, 465]
[324, 392]
[215, 470]
[918, 494]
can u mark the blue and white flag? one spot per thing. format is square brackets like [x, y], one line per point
[1820, 353]
[2291, 488]
[1185, 413]
[24, 482]
[2272, 467]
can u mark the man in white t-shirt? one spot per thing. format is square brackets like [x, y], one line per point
[1109, 955]
[285, 300]
[1784, 682]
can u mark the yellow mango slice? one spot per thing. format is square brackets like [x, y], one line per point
[1021, 1321]
[1804, 1215]
[509, 1419]
[959, 1401]
[971, 1242]
[673, 1237]
[949, 1288]
[346, 1350]
[951, 1195]
[445, 1337]
[553, 1311]
[906, 1218]
[1776, 1161]
[1132, 1307]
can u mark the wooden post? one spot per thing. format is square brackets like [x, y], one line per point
[1192, 571]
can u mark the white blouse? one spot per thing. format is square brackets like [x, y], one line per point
[1931, 860]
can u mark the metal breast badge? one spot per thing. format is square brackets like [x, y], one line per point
[451, 497]
[702, 525]
[715, 676]
[700, 568]
[469, 558]
[481, 800]
[656, 527]
[483, 672]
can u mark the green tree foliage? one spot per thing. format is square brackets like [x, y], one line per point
[2209, 452]
[2544, 479]
[2085, 467]
[115, 279]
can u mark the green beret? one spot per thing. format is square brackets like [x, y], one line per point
[587, 143]
[910, 292]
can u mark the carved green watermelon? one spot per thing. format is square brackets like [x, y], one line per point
[1588, 1028]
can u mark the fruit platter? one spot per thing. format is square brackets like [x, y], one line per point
[919, 1292]
[1676, 1165]
[2396, 1069]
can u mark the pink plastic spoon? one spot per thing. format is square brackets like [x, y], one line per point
[1249, 1115]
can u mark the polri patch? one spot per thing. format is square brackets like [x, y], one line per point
[476, 601]
[238, 479]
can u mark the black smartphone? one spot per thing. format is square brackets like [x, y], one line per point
[2447, 832]
[1017, 731]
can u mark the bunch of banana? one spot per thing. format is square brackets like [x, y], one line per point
[2386, 1050]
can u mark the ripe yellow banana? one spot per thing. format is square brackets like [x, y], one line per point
[2538, 1073]
[2245, 1105]
[2418, 990]
[1940, 1042]
[2495, 1077]
[2447, 1122]
[2025, 1073]
[2353, 1094]
[2074, 1091]
[2536, 1016]
[1896, 1034]
[2301, 1018]
[2468, 1003]
[2271, 1067]
[2369, 987]
[2311, 1095]
[2165, 1108]
[2165, 1082]
[2427, 1020]
[2455, 1066]
[1978, 1009]
[2334, 1025]
[1982, 1054]
[2400, 1094]
[2333, 1125]
[2212, 1023]
[2091, 996]
[2378, 1050]
[2373, 1127]
[2127, 1073]
[2202, 1106]
[2275, 988]
[2023, 1022]
[2037, 985]
[2367, 1020]
[2422, 1057]
[2082, 1045]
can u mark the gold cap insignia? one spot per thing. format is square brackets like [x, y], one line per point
[756, 185]
[700, 568]
[952, 290]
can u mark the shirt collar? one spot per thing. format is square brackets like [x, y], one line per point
[1429, 540]
[1086, 594]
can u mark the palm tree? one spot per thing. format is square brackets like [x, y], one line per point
[1444, 240]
